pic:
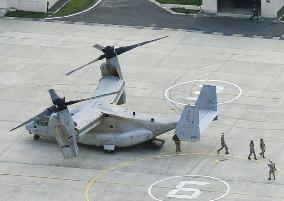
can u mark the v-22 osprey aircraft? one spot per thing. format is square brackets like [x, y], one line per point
[102, 121]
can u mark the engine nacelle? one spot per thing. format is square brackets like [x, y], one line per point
[62, 127]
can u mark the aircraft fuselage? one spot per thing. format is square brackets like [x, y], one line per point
[123, 132]
[119, 131]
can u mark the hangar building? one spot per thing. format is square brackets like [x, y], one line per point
[267, 8]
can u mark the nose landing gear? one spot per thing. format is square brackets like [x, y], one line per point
[36, 137]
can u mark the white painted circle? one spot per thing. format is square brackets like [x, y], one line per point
[202, 176]
[166, 94]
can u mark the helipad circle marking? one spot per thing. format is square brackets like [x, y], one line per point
[74, 14]
[166, 94]
[104, 172]
[168, 178]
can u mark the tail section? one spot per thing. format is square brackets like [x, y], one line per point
[207, 99]
[62, 126]
[195, 119]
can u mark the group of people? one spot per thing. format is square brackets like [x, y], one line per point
[262, 146]
[252, 151]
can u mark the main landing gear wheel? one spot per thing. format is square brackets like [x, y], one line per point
[36, 137]
[156, 143]
[109, 151]
[109, 148]
[162, 142]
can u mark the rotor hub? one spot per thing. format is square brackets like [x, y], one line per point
[109, 52]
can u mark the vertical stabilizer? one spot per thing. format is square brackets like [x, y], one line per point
[207, 99]
[188, 125]
[195, 119]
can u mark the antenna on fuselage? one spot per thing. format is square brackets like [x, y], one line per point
[111, 52]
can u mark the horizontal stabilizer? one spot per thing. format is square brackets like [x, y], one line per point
[195, 119]
[205, 118]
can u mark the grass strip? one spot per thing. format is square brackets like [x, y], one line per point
[181, 2]
[185, 10]
[73, 6]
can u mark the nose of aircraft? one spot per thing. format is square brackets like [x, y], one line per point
[30, 127]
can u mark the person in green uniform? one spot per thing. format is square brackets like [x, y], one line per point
[251, 150]
[223, 145]
[262, 148]
[177, 142]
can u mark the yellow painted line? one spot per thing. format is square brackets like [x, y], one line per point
[104, 172]
[132, 162]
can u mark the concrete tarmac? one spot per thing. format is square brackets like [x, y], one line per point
[34, 56]
[146, 13]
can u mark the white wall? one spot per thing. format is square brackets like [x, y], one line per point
[3, 3]
[269, 8]
[280, 4]
[27, 5]
[210, 6]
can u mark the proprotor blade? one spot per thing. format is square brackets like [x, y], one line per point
[110, 52]
[85, 99]
[99, 47]
[122, 50]
[46, 112]
[79, 68]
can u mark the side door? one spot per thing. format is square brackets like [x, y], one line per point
[112, 130]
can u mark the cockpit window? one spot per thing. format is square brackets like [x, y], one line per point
[42, 121]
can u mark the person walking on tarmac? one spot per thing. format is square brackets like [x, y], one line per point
[272, 169]
[255, 10]
[251, 150]
[177, 142]
[262, 147]
[223, 145]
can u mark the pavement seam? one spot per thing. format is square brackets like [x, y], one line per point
[43, 177]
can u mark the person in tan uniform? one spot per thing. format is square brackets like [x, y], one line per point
[272, 169]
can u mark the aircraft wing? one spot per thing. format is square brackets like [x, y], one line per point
[115, 110]
[89, 115]
[111, 85]
[87, 118]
